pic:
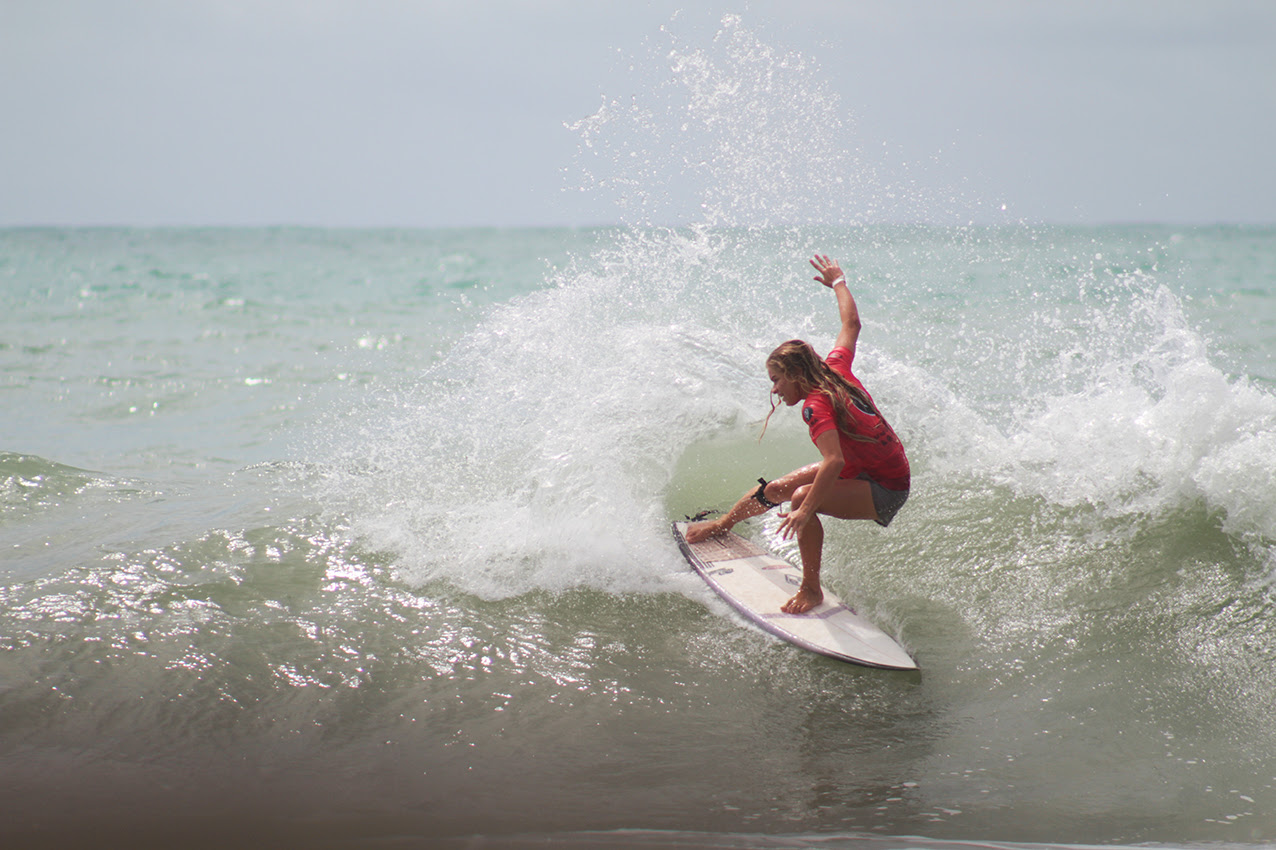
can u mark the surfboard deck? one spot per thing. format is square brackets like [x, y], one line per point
[756, 583]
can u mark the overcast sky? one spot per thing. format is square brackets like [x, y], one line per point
[435, 113]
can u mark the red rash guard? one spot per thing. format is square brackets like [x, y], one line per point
[882, 457]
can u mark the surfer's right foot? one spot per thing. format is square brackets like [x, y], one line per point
[804, 601]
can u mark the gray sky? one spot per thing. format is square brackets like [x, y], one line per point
[435, 113]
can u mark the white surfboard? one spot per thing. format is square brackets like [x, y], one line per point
[756, 583]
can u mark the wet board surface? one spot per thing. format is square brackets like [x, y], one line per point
[756, 583]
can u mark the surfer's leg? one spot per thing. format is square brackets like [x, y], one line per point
[811, 548]
[849, 499]
[741, 510]
[777, 491]
[783, 488]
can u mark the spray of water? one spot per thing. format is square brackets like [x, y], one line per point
[536, 453]
[540, 452]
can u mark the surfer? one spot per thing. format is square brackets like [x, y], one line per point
[863, 471]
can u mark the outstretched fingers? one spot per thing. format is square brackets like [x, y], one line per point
[820, 262]
[829, 271]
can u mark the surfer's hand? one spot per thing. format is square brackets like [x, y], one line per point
[794, 522]
[829, 271]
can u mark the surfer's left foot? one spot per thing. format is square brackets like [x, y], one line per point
[698, 531]
[803, 602]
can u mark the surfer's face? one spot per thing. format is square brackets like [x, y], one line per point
[784, 386]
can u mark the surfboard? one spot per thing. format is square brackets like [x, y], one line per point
[756, 583]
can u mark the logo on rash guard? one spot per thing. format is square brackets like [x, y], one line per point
[807, 414]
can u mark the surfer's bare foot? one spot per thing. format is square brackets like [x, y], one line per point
[803, 602]
[698, 531]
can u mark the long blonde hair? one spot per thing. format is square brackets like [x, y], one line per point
[798, 362]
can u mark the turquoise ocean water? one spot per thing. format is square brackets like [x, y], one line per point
[367, 531]
[360, 538]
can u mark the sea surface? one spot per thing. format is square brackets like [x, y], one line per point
[360, 538]
[356, 535]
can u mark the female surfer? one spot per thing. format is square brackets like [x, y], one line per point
[863, 471]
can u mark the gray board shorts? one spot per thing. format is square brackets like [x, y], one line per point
[886, 502]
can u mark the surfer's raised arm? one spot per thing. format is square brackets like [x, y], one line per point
[830, 274]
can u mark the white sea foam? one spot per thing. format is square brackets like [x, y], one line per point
[1145, 422]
